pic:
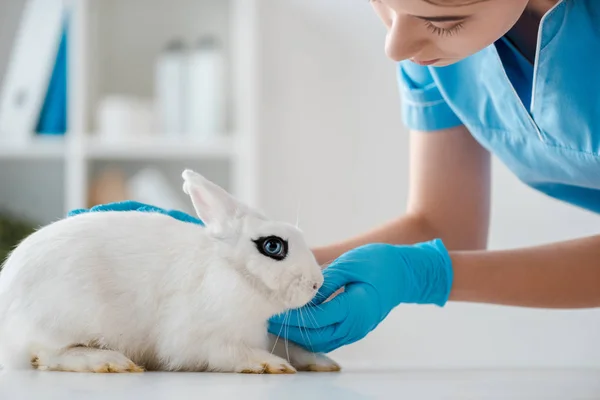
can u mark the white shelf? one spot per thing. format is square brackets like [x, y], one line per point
[56, 148]
[39, 147]
[108, 54]
[160, 148]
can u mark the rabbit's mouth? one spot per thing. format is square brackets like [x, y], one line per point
[301, 292]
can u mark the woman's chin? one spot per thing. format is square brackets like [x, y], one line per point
[446, 62]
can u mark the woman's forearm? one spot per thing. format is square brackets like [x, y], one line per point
[405, 230]
[560, 275]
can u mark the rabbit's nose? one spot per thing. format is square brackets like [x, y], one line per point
[317, 285]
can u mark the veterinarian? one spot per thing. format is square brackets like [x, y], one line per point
[519, 79]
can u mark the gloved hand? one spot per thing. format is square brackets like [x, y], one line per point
[376, 278]
[136, 206]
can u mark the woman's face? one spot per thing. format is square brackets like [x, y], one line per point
[446, 32]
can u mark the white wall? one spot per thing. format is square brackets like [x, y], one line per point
[330, 118]
[331, 122]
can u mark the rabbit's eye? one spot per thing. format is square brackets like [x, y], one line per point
[273, 247]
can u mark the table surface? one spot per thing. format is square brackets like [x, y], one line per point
[347, 385]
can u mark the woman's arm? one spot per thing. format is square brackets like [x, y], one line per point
[559, 275]
[448, 196]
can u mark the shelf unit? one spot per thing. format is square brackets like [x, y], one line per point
[41, 148]
[112, 48]
[222, 148]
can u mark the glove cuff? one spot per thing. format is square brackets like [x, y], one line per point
[445, 276]
[436, 275]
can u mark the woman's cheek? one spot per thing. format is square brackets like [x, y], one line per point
[465, 44]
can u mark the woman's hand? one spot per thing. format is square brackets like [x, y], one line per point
[376, 278]
[140, 207]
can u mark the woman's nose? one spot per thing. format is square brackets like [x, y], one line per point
[402, 41]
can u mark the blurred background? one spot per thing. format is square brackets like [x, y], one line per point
[289, 104]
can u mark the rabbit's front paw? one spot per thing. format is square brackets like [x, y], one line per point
[304, 360]
[316, 363]
[84, 359]
[265, 363]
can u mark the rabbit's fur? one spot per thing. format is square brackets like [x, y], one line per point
[133, 291]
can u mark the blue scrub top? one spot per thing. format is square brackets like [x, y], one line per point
[542, 120]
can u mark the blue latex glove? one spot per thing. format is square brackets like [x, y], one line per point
[376, 278]
[136, 206]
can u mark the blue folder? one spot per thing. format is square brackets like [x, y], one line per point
[53, 116]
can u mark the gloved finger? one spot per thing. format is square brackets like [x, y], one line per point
[328, 339]
[336, 277]
[317, 316]
[311, 347]
[314, 340]
[327, 347]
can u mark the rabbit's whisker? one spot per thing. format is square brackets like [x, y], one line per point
[286, 324]
[300, 324]
[318, 330]
[277, 338]
[315, 305]
[298, 215]
[306, 329]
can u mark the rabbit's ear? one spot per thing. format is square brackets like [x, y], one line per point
[211, 202]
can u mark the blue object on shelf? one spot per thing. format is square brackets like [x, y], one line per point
[53, 116]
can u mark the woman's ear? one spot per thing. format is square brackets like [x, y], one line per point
[211, 202]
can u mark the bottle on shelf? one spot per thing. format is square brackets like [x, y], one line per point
[171, 88]
[207, 88]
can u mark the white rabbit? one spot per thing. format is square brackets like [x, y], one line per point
[133, 291]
